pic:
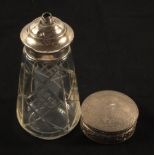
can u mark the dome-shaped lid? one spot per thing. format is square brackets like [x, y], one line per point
[47, 34]
[109, 111]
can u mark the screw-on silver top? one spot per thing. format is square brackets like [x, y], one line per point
[47, 34]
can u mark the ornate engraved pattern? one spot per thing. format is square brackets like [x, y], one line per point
[50, 86]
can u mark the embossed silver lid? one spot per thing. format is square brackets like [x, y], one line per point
[109, 116]
[47, 34]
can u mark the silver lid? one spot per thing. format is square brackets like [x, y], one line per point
[47, 34]
[109, 116]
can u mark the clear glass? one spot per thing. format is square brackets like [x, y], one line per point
[48, 104]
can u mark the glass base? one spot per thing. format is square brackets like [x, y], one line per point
[48, 135]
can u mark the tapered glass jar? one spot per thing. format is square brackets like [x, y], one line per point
[48, 104]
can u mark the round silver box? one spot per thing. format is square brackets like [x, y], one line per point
[109, 117]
